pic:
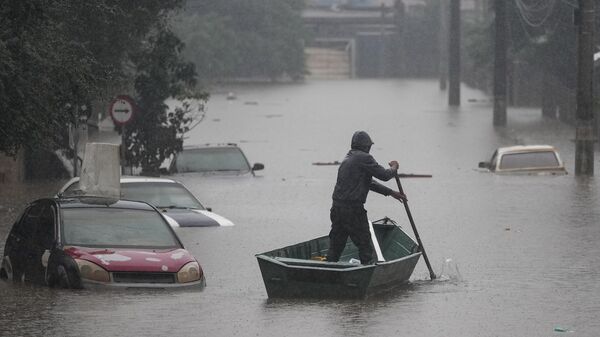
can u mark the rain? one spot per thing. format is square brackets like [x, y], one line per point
[440, 87]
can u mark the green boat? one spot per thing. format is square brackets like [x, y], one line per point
[300, 270]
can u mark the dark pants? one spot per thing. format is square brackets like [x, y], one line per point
[350, 222]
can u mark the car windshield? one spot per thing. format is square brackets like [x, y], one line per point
[160, 194]
[524, 160]
[212, 159]
[115, 227]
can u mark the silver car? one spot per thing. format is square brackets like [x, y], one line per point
[220, 159]
[176, 203]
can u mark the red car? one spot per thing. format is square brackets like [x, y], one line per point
[85, 242]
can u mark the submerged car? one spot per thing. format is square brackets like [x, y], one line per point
[226, 159]
[86, 242]
[177, 203]
[526, 159]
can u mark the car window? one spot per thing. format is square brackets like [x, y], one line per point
[44, 234]
[542, 159]
[160, 194]
[211, 159]
[27, 226]
[116, 227]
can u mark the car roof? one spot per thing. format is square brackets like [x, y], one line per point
[97, 202]
[136, 179]
[209, 145]
[525, 148]
[141, 179]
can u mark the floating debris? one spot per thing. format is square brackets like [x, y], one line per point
[561, 329]
[479, 100]
[327, 163]
[411, 175]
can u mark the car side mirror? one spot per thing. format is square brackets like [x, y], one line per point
[258, 167]
[163, 171]
[484, 164]
[208, 209]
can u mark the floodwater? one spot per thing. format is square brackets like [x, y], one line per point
[515, 255]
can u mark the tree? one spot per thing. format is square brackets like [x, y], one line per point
[157, 131]
[41, 72]
[229, 39]
[56, 55]
[208, 44]
[548, 48]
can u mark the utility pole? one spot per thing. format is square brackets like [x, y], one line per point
[443, 43]
[454, 54]
[584, 132]
[500, 63]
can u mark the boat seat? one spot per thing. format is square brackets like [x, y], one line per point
[319, 264]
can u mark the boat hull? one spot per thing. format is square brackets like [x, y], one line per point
[293, 272]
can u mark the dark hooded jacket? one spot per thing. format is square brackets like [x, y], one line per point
[356, 172]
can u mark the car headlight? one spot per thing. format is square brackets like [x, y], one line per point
[189, 273]
[91, 271]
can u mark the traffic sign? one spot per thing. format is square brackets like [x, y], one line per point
[122, 109]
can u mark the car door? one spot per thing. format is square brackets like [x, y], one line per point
[40, 245]
[17, 245]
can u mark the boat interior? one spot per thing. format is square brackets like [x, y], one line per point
[393, 241]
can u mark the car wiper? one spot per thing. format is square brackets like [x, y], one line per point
[178, 207]
[173, 207]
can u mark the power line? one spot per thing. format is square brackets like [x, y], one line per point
[547, 18]
[569, 3]
[535, 13]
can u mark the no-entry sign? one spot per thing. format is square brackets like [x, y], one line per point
[122, 109]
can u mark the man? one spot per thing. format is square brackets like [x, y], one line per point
[354, 180]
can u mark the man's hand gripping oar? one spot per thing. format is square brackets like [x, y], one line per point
[398, 195]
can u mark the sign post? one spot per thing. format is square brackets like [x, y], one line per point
[121, 110]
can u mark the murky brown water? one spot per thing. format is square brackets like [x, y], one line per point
[526, 247]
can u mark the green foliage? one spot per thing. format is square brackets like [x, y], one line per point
[41, 70]
[56, 55]
[243, 38]
[156, 132]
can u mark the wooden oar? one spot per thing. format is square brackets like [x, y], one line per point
[414, 227]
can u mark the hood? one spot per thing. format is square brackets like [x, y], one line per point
[133, 260]
[361, 141]
[194, 218]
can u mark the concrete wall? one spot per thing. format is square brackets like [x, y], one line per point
[328, 63]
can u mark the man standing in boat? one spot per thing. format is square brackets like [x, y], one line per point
[354, 180]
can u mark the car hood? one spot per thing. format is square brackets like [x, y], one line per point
[133, 260]
[194, 218]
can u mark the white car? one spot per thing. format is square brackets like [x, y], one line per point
[176, 203]
[213, 159]
[526, 159]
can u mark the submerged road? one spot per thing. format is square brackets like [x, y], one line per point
[515, 255]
